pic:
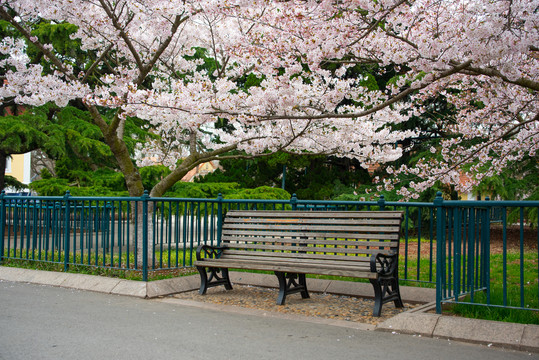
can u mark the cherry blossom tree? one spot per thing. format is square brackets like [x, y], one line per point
[481, 55]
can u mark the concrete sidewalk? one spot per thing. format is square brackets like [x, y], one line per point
[415, 322]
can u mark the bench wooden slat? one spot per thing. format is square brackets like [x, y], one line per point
[299, 261]
[316, 214]
[321, 250]
[287, 268]
[332, 222]
[356, 258]
[322, 242]
[294, 227]
[300, 264]
[331, 235]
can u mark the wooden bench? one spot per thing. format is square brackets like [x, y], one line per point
[360, 244]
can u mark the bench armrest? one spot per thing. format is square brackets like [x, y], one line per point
[207, 251]
[387, 264]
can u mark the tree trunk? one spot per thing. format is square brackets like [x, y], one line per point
[133, 181]
[3, 161]
[117, 146]
[135, 188]
[141, 225]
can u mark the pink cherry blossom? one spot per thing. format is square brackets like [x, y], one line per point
[468, 51]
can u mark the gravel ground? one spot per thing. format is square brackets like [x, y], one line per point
[319, 305]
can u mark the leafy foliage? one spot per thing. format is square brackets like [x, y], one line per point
[261, 193]
[309, 177]
[30, 130]
[519, 181]
[103, 182]
[202, 190]
[13, 183]
[151, 175]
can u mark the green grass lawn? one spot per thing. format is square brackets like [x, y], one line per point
[167, 264]
[517, 291]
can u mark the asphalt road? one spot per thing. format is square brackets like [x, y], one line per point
[42, 322]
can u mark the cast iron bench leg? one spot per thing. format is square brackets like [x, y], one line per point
[385, 290]
[288, 285]
[203, 280]
[396, 290]
[214, 279]
[228, 285]
[378, 301]
[303, 283]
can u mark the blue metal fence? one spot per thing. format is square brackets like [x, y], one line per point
[469, 271]
[155, 234]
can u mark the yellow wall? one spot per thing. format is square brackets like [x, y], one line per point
[17, 167]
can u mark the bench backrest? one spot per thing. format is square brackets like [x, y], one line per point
[312, 234]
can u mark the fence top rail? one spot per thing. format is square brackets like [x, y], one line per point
[18, 198]
[292, 201]
[70, 198]
[364, 203]
[490, 203]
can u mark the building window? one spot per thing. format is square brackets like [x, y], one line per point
[8, 164]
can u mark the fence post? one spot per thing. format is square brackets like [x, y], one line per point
[440, 246]
[67, 216]
[294, 202]
[219, 218]
[485, 248]
[144, 199]
[382, 203]
[2, 224]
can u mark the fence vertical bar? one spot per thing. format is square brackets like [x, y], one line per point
[431, 238]
[485, 257]
[382, 203]
[177, 221]
[128, 234]
[144, 199]
[67, 217]
[418, 244]
[136, 234]
[438, 203]
[219, 217]
[169, 221]
[160, 234]
[184, 232]
[25, 235]
[406, 239]
[457, 248]
[2, 224]
[294, 202]
[522, 256]
[449, 240]
[470, 258]
[120, 235]
[504, 259]
[34, 229]
[192, 230]
[212, 224]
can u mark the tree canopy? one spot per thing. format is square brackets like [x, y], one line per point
[209, 77]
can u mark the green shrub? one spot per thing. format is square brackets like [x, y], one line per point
[262, 193]
[201, 190]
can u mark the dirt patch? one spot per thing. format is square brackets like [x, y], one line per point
[529, 242]
[529, 238]
[327, 306]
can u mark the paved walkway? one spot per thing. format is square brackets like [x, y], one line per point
[43, 322]
[417, 322]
